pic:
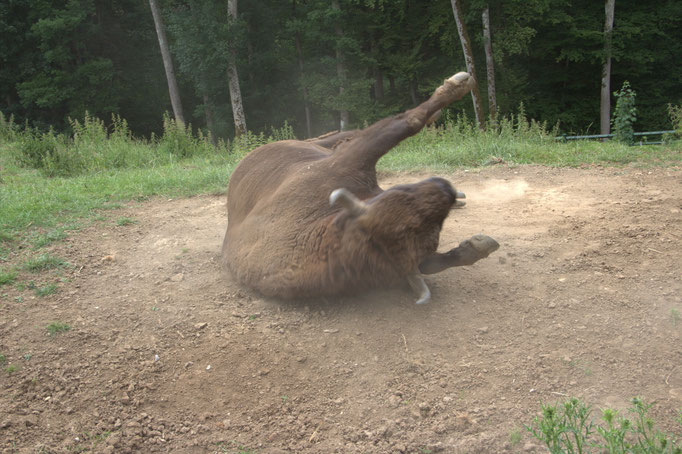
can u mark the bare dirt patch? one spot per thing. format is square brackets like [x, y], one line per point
[167, 354]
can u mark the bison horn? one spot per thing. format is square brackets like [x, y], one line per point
[348, 201]
[459, 203]
[417, 283]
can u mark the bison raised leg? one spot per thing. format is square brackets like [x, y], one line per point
[363, 149]
[467, 253]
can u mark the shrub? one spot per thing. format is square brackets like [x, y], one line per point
[625, 114]
[675, 113]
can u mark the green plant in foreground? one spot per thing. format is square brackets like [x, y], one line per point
[57, 327]
[563, 427]
[567, 428]
[2, 359]
[11, 369]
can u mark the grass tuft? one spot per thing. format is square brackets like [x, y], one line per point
[49, 289]
[55, 328]
[43, 262]
[7, 277]
[125, 221]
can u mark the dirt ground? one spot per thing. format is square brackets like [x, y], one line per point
[166, 353]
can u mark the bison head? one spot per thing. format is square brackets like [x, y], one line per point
[395, 230]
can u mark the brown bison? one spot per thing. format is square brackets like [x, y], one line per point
[307, 218]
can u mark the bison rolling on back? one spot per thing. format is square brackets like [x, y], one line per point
[307, 218]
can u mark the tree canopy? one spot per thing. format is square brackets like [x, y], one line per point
[59, 59]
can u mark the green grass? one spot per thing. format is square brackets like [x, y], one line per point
[2, 358]
[11, 369]
[674, 314]
[6, 237]
[125, 221]
[55, 328]
[52, 236]
[7, 277]
[448, 148]
[514, 437]
[43, 262]
[49, 289]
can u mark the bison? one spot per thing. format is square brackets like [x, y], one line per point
[307, 218]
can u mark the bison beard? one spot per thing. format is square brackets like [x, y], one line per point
[307, 218]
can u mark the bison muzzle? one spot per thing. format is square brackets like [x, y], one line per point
[307, 218]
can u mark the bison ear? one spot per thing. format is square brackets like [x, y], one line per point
[342, 197]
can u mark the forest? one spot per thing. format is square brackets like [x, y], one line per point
[323, 65]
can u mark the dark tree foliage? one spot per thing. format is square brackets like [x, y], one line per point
[61, 58]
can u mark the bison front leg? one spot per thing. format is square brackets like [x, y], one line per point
[363, 149]
[467, 253]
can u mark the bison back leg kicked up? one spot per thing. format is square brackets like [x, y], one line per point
[308, 218]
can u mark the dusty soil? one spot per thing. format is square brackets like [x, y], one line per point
[166, 353]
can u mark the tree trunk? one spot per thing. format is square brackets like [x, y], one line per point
[306, 105]
[469, 59]
[605, 104]
[413, 92]
[378, 75]
[210, 120]
[340, 69]
[378, 84]
[490, 65]
[233, 78]
[167, 62]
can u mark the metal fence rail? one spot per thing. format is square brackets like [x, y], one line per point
[566, 138]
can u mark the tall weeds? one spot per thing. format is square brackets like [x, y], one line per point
[93, 147]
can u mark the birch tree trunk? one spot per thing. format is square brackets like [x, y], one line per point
[233, 79]
[167, 63]
[340, 69]
[490, 64]
[469, 59]
[605, 104]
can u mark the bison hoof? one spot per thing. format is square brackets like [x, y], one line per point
[483, 244]
[460, 79]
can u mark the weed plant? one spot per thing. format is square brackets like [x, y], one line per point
[568, 427]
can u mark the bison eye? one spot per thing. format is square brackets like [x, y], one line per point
[342, 197]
